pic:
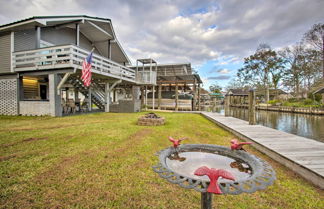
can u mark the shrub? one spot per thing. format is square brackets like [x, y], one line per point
[292, 100]
[308, 102]
[318, 97]
[274, 102]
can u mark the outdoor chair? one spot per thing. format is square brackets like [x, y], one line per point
[71, 106]
[64, 106]
[84, 106]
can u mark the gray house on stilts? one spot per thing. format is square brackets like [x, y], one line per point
[41, 62]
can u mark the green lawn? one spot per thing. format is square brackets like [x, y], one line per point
[104, 160]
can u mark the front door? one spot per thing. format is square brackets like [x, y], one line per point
[43, 91]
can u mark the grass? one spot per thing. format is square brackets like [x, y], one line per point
[104, 160]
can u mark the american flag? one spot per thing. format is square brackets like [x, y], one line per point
[86, 70]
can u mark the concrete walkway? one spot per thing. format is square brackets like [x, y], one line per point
[304, 156]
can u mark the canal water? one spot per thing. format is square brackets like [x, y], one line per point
[309, 126]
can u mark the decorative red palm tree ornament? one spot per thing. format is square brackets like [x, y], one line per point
[213, 174]
[235, 145]
[176, 142]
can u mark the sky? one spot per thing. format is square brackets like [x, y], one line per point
[213, 35]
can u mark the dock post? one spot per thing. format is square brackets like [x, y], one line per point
[227, 105]
[252, 107]
[198, 97]
[194, 95]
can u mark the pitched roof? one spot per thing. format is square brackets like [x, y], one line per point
[96, 29]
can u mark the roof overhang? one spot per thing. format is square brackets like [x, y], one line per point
[188, 79]
[98, 30]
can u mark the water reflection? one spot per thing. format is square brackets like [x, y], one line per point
[176, 156]
[195, 160]
[241, 166]
[309, 126]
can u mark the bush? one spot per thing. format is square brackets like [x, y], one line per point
[274, 102]
[318, 97]
[292, 100]
[308, 102]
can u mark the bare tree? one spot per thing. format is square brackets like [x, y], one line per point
[261, 68]
[315, 37]
[293, 73]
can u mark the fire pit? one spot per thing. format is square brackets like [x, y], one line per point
[151, 119]
[198, 166]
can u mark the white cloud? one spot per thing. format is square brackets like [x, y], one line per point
[223, 71]
[186, 30]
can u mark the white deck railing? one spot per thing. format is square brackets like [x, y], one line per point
[70, 56]
[146, 77]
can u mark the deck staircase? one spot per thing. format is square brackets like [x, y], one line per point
[97, 92]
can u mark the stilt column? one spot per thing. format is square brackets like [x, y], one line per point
[159, 96]
[176, 97]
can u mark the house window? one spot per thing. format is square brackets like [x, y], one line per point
[35, 88]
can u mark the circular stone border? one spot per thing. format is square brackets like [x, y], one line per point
[143, 121]
[262, 176]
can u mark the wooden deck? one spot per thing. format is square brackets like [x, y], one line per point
[304, 156]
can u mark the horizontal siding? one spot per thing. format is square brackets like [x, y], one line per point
[64, 36]
[5, 50]
[58, 36]
[25, 40]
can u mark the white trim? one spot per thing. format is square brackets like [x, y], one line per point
[24, 23]
[44, 44]
[12, 45]
[100, 29]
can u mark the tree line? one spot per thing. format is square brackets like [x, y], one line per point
[298, 68]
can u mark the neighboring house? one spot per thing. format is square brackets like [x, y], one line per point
[240, 96]
[237, 96]
[178, 88]
[41, 61]
[273, 94]
[217, 98]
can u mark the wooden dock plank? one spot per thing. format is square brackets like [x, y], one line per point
[304, 156]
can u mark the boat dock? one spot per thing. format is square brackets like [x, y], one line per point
[302, 155]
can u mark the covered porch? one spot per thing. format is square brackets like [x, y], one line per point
[59, 93]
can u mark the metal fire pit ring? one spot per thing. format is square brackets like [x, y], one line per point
[262, 173]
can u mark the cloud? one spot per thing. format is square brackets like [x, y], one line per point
[193, 31]
[221, 77]
[223, 71]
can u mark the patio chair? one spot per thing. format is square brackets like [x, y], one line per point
[84, 106]
[71, 106]
[64, 106]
